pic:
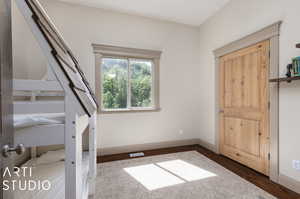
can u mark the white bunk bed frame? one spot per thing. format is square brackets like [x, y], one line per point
[73, 106]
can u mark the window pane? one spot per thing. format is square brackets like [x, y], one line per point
[114, 83]
[141, 83]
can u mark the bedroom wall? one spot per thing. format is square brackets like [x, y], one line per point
[236, 20]
[26, 53]
[179, 69]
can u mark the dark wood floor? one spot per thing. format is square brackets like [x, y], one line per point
[252, 176]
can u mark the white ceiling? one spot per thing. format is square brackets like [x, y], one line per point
[191, 12]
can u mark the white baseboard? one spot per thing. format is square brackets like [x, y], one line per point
[289, 183]
[207, 145]
[144, 147]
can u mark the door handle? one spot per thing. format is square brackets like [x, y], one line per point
[221, 111]
[19, 149]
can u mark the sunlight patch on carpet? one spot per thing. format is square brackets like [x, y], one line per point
[152, 177]
[186, 170]
[165, 174]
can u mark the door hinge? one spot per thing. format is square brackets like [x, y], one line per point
[269, 156]
[269, 105]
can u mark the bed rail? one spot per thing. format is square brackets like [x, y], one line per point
[36, 85]
[33, 107]
[43, 135]
[34, 89]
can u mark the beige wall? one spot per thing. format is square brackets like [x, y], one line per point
[180, 80]
[26, 54]
[240, 18]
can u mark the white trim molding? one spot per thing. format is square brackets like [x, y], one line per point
[256, 37]
[101, 51]
[108, 50]
[207, 145]
[144, 147]
[156, 145]
[289, 183]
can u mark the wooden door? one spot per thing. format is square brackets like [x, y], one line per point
[6, 108]
[244, 112]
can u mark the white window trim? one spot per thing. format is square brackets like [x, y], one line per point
[104, 51]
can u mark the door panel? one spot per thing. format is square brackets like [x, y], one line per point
[244, 113]
[242, 135]
[242, 82]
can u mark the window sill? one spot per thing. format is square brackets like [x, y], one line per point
[129, 110]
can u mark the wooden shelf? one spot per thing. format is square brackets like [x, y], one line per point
[285, 79]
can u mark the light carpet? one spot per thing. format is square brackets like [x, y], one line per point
[186, 175]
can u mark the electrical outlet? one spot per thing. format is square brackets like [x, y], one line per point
[180, 131]
[296, 164]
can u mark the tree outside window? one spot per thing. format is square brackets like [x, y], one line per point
[126, 83]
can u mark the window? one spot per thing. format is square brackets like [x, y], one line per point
[126, 83]
[126, 79]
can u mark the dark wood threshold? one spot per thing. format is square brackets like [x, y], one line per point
[250, 175]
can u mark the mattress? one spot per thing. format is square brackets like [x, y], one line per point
[30, 120]
[54, 172]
